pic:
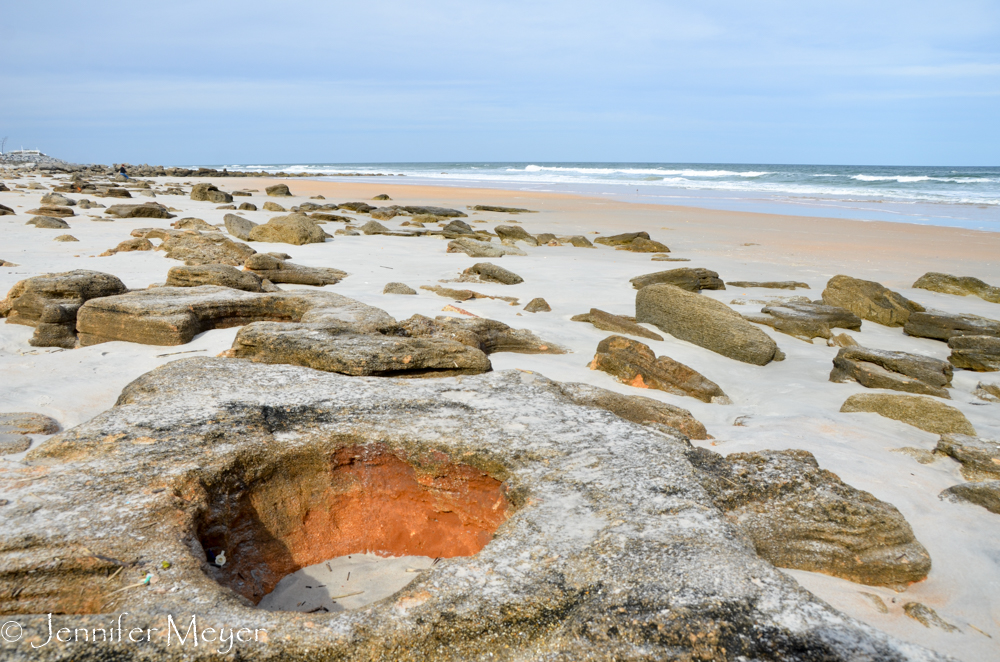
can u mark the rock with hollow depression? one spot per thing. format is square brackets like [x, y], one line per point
[565, 532]
[899, 371]
[801, 516]
[869, 300]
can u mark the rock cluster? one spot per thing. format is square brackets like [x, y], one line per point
[278, 270]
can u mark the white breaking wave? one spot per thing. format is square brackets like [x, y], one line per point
[639, 171]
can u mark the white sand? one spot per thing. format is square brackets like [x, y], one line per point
[785, 405]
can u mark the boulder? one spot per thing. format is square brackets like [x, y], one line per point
[273, 206]
[457, 228]
[374, 227]
[66, 237]
[636, 408]
[58, 200]
[770, 284]
[980, 458]
[27, 423]
[899, 371]
[48, 223]
[238, 226]
[113, 192]
[130, 245]
[380, 196]
[924, 413]
[476, 248]
[278, 191]
[357, 207]
[50, 303]
[194, 224]
[5, 263]
[486, 335]
[502, 210]
[704, 322]
[621, 239]
[52, 210]
[869, 300]
[512, 233]
[247, 206]
[615, 323]
[635, 364]
[547, 239]
[985, 493]
[6, 211]
[278, 270]
[296, 229]
[988, 392]
[398, 288]
[323, 217]
[538, 305]
[944, 326]
[959, 285]
[805, 320]
[577, 240]
[386, 213]
[803, 517]
[145, 210]
[222, 275]
[196, 249]
[206, 192]
[979, 353]
[493, 274]
[641, 245]
[686, 278]
[175, 315]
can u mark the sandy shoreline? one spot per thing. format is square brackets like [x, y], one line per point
[790, 404]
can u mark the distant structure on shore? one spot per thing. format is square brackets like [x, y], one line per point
[29, 157]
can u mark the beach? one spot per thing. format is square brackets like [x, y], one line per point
[789, 404]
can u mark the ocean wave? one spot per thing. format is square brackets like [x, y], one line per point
[639, 171]
[909, 179]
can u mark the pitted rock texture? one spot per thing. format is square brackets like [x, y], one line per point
[277, 270]
[920, 412]
[476, 248]
[296, 229]
[611, 548]
[770, 284]
[984, 493]
[633, 363]
[980, 458]
[209, 193]
[980, 353]
[899, 371]
[801, 516]
[486, 335]
[869, 300]
[944, 326]
[636, 408]
[959, 285]
[686, 278]
[214, 274]
[194, 248]
[48, 223]
[615, 324]
[492, 273]
[704, 322]
[806, 320]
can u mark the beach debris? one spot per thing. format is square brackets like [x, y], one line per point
[920, 412]
[686, 278]
[948, 284]
[220, 559]
[869, 300]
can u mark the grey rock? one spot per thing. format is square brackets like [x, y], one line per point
[927, 616]
[494, 274]
[943, 326]
[145, 210]
[273, 206]
[357, 207]
[686, 278]
[636, 408]
[13, 443]
[920, 412]
[398, 288]
[381, 196]
[615, 324]
[28, 423]
[66, 237]
[247, 206]
[770, 284]
[130, 245]
[277, 270]
[538, 305]
[899, 371]
[577, 240]
[988, 392]
[985, 493]
[198, 224]
[869, 300]
[458, 228]
[980, 353]
[238, 226]
[513, 233]
[958, 285]
[214, 274]
[209, 193]
[476, 248]
[48, 223]
[641, 245]
[441, 212]
[805, 320]
[52, 210]
[386, 213]
[58, 200]
[6, 211]
[278, 191]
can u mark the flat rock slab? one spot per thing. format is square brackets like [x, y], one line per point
[487, 335]
[805, 320]
[27, 423]
[980, 458]
[278, 270]
[770, 284]
[48, 223]
[944, 326]
[985, 493]
[898, 371]
[686, 278]
[195, 248]
[869, 300]
[593, 501]
[214, 274]
[979, 353]
[958, 285]
[145, 210]
[615, 323]
[924, 413]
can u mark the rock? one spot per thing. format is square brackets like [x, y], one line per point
[277, 270]
[48, 223]
[547, 239]
[383, 196]
[247, 206]
[980, 353]
[357, 207]
[175, 315]
[805, 320]
[502, 210]
[348, 232]
[457, 228]
[635, 408]
[278, 191]
[226, 207]
[493, 274]
[635, 364]
[577, 240]
[374, 227]
[615, 324]
[245, 194]
[27, 423]
[641, 245]
[686, 278]
[943, 326]
[513, 233]
[924, 413]
[6, 211]
[464, 295]
[194, 224]
[66, 237]
[984, 493]
[486, 335]
[667, 258]
[296, 229]
[196, 249]
[222, 275]
[704, 322]
[948, 284]
[420, 210]
[321, 217]
[50, 303]
[538, 305]
[621, 239]
[273, 206]
[113, 192]
[129, 245]
[145, 210]
[988, 392]
[927, 616]
[398, 288]
[5, 263]
[476, 248]
[385, 213]
[210, 193]
[980, 458]
[899, 371]
[800, 516]
[238, 226]
[770, 284]
[52, 210]
[869, 300]
[58, 200]
[13, 443]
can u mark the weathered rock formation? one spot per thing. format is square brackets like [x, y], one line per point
[277, 270]
[195, 224]
[870, 300]
[805, 320]
[988, 392]
[621, 239]
[238, 226]
[635, 364]
[980, 458]
[194, 248]
[129, 246]
[641, 245]
[980, 353]
[943, 326]
[491, 273]
[145, 210]
[476, 248]
[502, 210]
[273, 206]
[222, 275]
[984, 493]
[770, 284]
[686, 278]
[278, 191]
[209, 193]
[635, 408]
[538, 305]
[615, 323]
[512, 233]
[296, 229]
[899, 371]
[48, 223]
[398, 288]
[959, 285]
[924, 413]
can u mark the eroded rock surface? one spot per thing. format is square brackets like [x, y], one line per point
[492, 273]
[214, 274]
[636, 408]
[983, 493]
[194, 248]
[296, 229]
[686, 278]
[944, 326]
[487, 335]
[145, 210]
[980, 458]
[277, 270]
[805, 320]
[206, 192]
[615, 324]
[476, 248]
[770, 284]
[899, 371]
[512, 233]
[238, 226]
[979, 353]
[924, 413]
[870, 300]
[959, 285]
[538, 305]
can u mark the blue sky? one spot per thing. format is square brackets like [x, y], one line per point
[207, 82]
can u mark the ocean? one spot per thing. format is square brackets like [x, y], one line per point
[967, 197]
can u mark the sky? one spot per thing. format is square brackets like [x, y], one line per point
[216, 82]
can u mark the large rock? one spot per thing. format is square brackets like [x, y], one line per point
[52, 210]
[924, 413]
[564, 531]
[980, 353]
[943, 326]
[358, 207]
[491, 273]
[770, 284]
[635, 364]
[51, 303]
[476, 248]
[805, 320]
[198, 224]
[899, 371]
[704, 322]
[386, 213]
[6, 211]
[803, 517]
[985, 493]
[48, 223]
[636, 408]
[27, 423]
[196, 249]
[214, 274]
[238, 226]
[278, 191]
[175, 315]
[486, 335]
[640, 245]
[398, 288]
[869, 300]
[57, 199]
[277, 270]
[273, 206]
[209, 193]
[960, 285]
[686, 278]
[615, 323]
[296, 229]
[621, 239]
[980, 458]
[145, 210]
[129, 246]
[512, 233]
